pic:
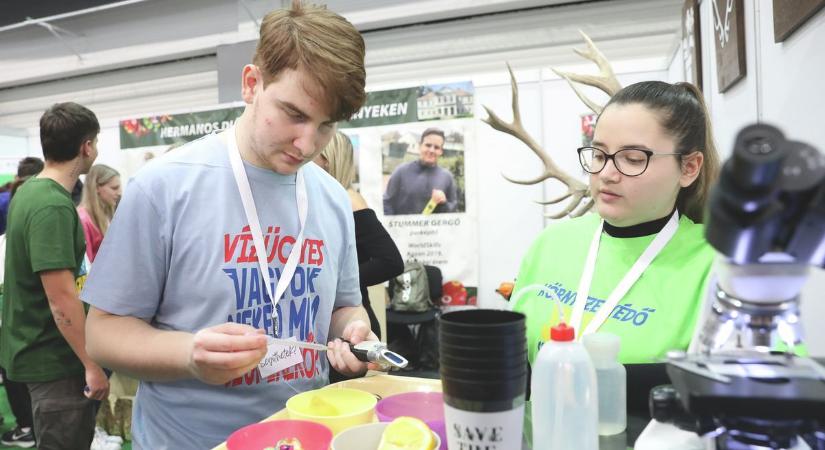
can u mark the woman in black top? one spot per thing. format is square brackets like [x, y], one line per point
[378, 258]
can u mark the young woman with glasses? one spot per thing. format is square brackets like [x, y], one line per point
[640, 266]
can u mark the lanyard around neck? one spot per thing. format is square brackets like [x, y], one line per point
[641, 264]
[255, 226]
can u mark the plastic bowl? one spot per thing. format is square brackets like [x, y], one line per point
[367, 437]
[338, 409]
[313, 436]
[427, 406]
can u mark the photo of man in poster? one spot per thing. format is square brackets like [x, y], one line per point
[422, 186]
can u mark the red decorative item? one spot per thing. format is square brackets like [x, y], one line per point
[454, 293]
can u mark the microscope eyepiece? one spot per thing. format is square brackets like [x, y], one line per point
[769, 198]
[757, 159]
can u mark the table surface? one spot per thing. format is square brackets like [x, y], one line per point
[377, 383]
[383, 385]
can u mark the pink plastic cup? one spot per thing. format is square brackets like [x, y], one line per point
[313, 436]
[427, 406]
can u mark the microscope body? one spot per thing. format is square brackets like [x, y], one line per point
[745, 387]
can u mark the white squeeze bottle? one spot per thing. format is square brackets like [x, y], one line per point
[563, 397]
[612, 380]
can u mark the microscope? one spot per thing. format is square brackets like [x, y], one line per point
[745, 387]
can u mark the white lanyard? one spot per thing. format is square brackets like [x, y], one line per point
[255, 226]
[650, 253]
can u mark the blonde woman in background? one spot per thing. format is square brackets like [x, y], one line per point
[378, 257]
[101, 193]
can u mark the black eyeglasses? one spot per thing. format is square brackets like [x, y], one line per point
[631, 162]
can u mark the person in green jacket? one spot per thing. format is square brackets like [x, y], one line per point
[640, 267]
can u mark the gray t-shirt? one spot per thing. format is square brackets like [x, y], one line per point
[179, 255]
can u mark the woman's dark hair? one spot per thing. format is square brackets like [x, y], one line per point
[683, 115]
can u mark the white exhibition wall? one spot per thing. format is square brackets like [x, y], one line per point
[791, 96]
[14, 145]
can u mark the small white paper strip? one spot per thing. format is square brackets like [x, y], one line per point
[279, 357]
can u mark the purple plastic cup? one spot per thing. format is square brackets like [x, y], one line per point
[427, 406]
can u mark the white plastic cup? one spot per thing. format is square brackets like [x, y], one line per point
[611, 378]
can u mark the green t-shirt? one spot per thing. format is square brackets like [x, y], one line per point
[656, 315]
[43, 233]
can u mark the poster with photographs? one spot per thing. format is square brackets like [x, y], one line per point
[415, 156]
[414, 149]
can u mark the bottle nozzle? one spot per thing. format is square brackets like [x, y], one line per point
[562, 333]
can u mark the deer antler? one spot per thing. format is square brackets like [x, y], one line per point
[576, 213]
[606, 80]
[575, 188]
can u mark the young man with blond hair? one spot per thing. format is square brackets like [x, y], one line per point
[180, 297]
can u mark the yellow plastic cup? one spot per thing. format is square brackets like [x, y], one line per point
[338, 409]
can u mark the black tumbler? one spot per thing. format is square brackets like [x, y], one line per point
[483, 366]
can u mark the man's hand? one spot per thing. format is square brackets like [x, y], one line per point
[224, 352]
[340, 356]
[97, 384]
[439, 197]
